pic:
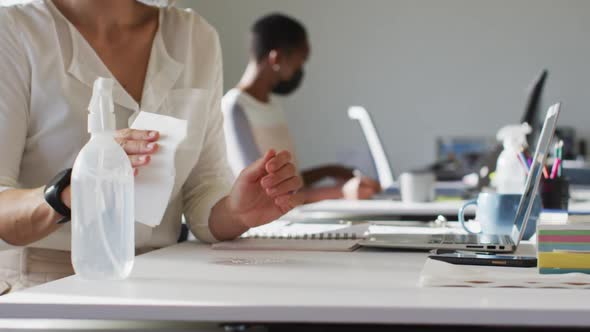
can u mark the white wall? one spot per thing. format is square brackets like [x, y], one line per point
[424, 68]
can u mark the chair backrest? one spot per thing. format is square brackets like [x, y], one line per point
[377, 152]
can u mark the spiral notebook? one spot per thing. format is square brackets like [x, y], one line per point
[285, 236]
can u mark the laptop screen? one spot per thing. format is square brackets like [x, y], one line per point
[536, 170]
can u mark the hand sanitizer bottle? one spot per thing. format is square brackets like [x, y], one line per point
[103, 234]
[510, 173]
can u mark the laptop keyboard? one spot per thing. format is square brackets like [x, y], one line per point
[464, 239]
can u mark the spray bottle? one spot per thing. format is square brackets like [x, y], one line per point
[103, 234]
[510, 172]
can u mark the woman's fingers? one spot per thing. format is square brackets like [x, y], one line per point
[290, 201]
[271, 180]
[280, 160]
[137, 135]
[291, 185]
[132, 147]
[271, 162]
[138, 161]
[138, 145]
[137, 141]
[254, 172]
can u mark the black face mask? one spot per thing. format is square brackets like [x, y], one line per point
[285, 88]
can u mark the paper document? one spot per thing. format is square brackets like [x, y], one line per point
[155, 182]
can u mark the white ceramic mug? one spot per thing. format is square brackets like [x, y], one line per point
[417, 187]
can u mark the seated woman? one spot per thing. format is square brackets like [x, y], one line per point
[255, 121]
[164, 60]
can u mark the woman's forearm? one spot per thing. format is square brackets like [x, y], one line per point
[314, 175]
[224, 225]
[313, 195]
[25, 217]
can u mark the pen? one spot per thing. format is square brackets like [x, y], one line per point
[546, 172]
[556, 166]
[560, 157]
[555, 159]
[530, 161]
[560, 150]
[522, 158]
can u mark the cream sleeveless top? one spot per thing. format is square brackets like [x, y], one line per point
[252, 127]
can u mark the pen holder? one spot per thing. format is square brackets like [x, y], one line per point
[555, 194]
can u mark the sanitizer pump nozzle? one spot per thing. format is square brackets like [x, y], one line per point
[101, 108]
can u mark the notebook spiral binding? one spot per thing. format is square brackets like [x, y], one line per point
[320, 236]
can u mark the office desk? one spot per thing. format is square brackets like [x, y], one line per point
[191, 282]
[396, 210]
[378, 210]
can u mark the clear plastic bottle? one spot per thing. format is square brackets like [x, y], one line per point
[510, 173]
[103, 233]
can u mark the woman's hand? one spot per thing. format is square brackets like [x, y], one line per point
[360, 187]
[266, 190]
[138, 144]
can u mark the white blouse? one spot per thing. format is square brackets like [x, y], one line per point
[48, 70]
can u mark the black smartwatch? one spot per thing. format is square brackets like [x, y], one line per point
[53, 192]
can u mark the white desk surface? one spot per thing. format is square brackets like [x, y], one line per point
[342, 209]
[191, 282]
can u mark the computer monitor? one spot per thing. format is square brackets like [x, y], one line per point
[533, 114]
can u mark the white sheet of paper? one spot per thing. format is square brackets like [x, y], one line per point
[155, 182]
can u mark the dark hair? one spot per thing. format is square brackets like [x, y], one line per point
[277, 32]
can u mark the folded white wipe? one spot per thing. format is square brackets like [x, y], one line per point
[155, 182]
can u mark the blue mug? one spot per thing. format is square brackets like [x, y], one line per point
[496, 213]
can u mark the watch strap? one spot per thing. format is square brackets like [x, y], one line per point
[53, 193]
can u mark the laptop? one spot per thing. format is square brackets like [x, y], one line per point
[483, 243]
